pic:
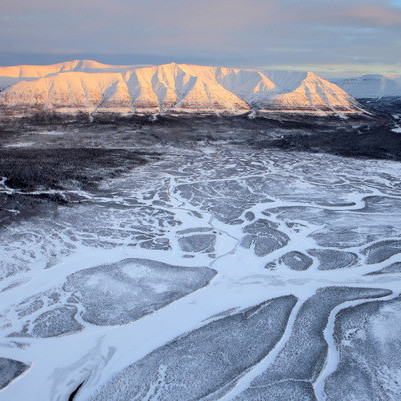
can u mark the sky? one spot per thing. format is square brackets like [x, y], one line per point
[333, 37]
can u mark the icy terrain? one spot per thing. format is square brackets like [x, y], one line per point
[94, 88]
[218, 272]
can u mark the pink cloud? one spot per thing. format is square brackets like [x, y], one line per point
[375, 14]
[315, 28]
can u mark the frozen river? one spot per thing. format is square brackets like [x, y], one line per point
[217, 272]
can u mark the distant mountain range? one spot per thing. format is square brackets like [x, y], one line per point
[92, 87]
[371, 86]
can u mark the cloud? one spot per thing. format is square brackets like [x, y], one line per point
[374, 15]
[248, 31]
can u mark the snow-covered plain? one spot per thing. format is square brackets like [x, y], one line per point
[219, 272]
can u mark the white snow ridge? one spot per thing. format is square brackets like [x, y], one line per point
[173, 88]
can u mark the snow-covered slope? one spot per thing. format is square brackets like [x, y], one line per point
[373, 86]
[38, 71]
[172, 88]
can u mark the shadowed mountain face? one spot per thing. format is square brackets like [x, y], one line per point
[172, 88]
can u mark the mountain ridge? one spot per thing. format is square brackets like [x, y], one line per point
[371, 86]
[92, 87]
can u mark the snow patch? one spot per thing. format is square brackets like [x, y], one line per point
[19, 145]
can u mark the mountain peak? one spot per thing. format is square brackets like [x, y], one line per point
[169, 88]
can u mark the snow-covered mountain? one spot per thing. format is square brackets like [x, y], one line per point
[172, 88]
[373, 86]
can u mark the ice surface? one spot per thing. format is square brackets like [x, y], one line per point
[284, 391]
[263, 237]
[381, 251]
[132, 288]
[203, 362]
[154, 284]
[56, 322]
[198, 243]
[331, 259]
[370, 364]
[292, 364]
[296, 260]
[394, 268]
[9, 370]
